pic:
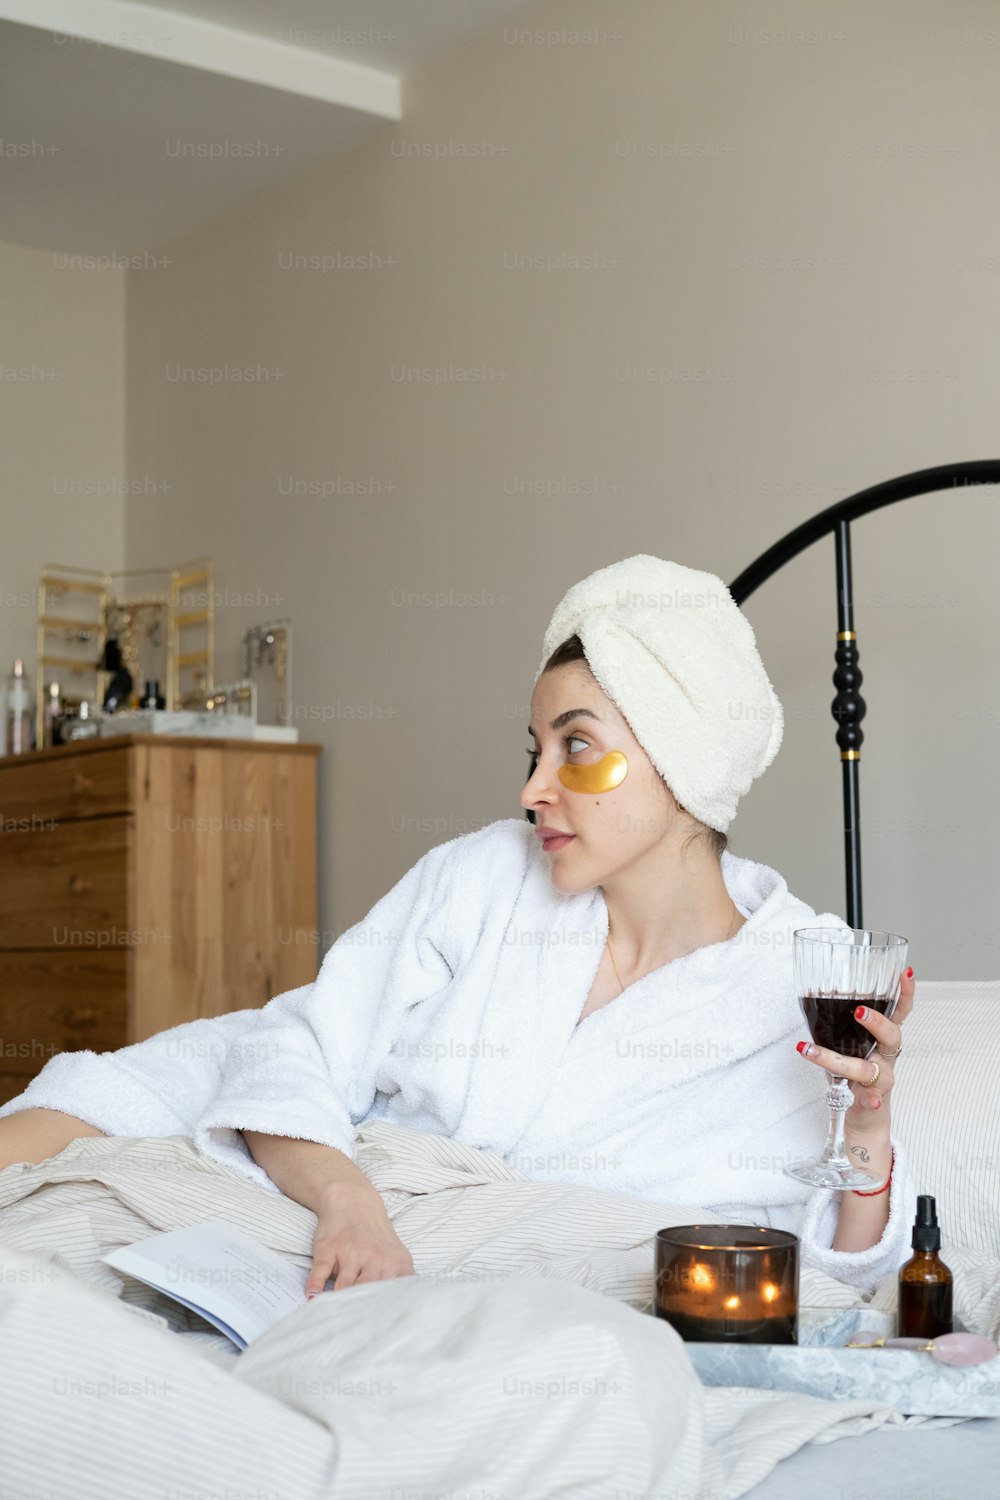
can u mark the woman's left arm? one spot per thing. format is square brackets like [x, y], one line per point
[862, 1220]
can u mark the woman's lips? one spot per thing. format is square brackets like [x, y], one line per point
[558, 842]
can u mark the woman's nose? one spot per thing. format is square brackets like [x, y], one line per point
[535, 788]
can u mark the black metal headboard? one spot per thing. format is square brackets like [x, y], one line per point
[848, 707]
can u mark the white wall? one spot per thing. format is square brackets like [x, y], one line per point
[62, 412]
[795, 219]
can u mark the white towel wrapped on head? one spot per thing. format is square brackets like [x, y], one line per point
[671, 648]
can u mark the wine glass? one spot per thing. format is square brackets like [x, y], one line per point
[833, 975]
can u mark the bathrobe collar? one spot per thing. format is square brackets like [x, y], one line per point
[739, 993]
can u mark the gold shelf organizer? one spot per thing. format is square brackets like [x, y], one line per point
[191, 634]
[97, 605]
[83, 593]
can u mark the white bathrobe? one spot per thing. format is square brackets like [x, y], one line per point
[453, 1008]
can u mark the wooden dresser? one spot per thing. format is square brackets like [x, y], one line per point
[147, 880]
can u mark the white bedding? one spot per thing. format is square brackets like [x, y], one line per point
[516, 1362]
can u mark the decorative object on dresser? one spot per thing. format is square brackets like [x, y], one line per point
[146, 881]
[267, 663]
[159, 624]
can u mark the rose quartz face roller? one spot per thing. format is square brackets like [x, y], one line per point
[950, 1348]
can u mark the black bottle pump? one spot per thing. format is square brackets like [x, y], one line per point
[926, 1229]
[925, 1285]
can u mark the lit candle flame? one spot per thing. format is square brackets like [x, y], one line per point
[769, 1291]
[731, 1303]
[702, 1277]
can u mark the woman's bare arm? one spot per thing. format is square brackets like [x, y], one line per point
[354, 1239]
[305, 1170]
[36, 1134]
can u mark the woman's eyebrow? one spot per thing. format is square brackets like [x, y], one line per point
[571, 713]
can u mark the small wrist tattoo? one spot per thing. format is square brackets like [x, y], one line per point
[861, 1151]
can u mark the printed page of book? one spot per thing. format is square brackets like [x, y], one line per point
[240, 1286]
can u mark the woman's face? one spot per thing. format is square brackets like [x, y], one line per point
[573, 723]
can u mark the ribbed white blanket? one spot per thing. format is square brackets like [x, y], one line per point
[499, 1369]
[453, 1009]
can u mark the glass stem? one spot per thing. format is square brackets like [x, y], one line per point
[840, 1099]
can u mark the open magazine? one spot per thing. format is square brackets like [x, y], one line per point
[241, 1287]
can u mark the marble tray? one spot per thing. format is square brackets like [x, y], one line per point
[914, 1383]
[177, 721]
[194, 722]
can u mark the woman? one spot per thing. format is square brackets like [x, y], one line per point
[605, 998]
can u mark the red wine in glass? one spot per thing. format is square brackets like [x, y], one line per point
[835, 971]
[831, 1022]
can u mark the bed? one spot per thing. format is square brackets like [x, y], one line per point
[521, 1359]
[961, 1461]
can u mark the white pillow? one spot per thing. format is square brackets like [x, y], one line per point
[946, 1106]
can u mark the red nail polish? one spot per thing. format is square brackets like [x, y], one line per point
[801, 1046]
[860, 1013]
[909, 973]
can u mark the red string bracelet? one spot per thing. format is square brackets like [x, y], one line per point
[885, 1186]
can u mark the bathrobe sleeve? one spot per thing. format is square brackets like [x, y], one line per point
[306, 1068]
[301, 1066]
[862, 1268]
[159, 1086]
[815, 1223]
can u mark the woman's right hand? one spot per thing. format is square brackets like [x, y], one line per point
[354, 1240]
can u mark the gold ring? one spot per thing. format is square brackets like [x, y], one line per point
[889, 1055]
[873, 1080]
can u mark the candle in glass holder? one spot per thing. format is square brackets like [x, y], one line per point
[728, 1283]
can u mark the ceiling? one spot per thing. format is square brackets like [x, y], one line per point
[390, 34]
[148, 121]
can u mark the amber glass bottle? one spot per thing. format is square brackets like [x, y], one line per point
[925, 1281]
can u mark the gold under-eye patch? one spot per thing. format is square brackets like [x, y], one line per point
[607, 773]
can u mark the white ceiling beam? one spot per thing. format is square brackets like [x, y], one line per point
[163, 34]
